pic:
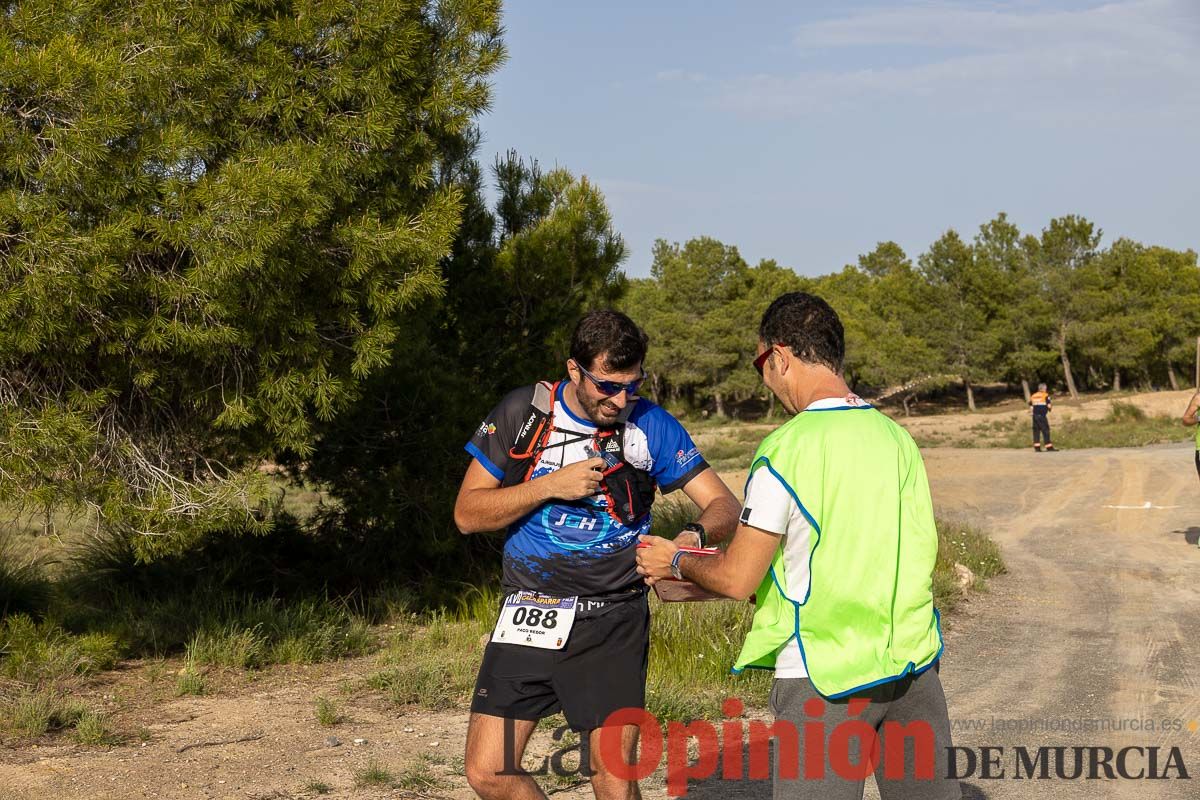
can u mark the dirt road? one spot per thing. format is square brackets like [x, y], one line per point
[1099, 619]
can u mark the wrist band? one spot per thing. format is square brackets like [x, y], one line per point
[675, 571]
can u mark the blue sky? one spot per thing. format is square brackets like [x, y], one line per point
[808, 131]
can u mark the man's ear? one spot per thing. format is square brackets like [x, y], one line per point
[784, 362]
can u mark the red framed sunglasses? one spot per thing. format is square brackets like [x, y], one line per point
[762, 359]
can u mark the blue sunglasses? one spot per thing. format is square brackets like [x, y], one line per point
[610, 388]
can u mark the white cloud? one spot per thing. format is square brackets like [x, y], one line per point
[1137, 56]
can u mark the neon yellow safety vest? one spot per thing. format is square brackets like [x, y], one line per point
[867, 616]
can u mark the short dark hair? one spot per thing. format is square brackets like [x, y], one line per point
[611, 334]
[808, 325]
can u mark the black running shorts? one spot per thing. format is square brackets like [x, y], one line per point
[601, 669]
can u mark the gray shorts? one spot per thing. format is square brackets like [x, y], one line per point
[911, 734]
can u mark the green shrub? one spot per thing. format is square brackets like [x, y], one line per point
[373, 774]
[229, 646]
[191, 681]
[327, 712]
[92, 729]
[1124, 411]
[35, 712]
[35, 652]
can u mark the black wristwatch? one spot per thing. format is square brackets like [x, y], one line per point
[699, 530]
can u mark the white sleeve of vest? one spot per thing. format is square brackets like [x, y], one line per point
[769, 505]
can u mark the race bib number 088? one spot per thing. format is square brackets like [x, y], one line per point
[535, 620]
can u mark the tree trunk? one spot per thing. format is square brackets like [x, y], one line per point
[1025, 391]
[906, 399]
[970, 395]
[1171, 377]
[720, 400]
[1066, 362]
[1116, 379]
[771, 406]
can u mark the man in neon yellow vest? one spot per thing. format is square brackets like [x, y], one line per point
[837, 543]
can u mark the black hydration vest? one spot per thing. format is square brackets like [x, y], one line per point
[629, 491]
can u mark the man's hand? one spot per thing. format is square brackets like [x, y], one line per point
[654, 556]
[687, 539]
[576, 481]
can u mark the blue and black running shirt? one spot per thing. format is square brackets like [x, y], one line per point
[576, 548]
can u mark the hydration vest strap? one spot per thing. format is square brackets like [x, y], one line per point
[629, 491]
[538, 419]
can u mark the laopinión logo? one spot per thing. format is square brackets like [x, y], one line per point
[852, 750]
[1067, 763]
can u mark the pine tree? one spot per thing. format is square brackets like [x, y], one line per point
[214, 219]
[961, 308]
[1060, 258]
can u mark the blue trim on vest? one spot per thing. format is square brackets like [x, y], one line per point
[484, 461]
[811, 521]
[767, 462]
[736, 671]
[839, 408]
[795, 631]
[910, 668]
[559, 396]
[796, 607]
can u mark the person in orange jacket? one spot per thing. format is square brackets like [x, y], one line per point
[1039, 406]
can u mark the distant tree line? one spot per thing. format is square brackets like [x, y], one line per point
[1056, 307]
[248, 236]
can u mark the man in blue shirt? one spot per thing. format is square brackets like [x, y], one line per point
[569, 470]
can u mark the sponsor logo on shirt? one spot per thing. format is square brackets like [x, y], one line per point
[528, 425]
[745, 518]
[485, 429]
[682, 458]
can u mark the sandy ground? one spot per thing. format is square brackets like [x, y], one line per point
[1097, 621]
